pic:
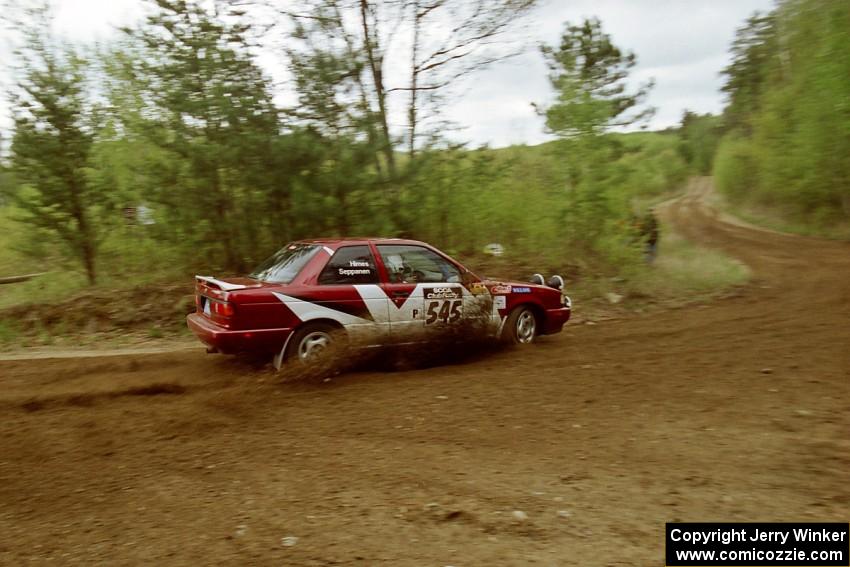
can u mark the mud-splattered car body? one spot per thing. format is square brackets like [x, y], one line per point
[378, 292]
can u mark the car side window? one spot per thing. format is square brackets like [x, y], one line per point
[415, 264]
[350, 265]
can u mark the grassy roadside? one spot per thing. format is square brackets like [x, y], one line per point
[100, 318]
[144, 300]
[683, 273]
[152, 315]
[774, 218]
[136, 301]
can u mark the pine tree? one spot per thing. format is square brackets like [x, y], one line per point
[210, 106]
[53, 136]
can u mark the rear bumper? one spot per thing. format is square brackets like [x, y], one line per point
[232, 342]
[555, 320]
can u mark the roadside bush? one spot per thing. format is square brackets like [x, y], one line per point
[735, 169]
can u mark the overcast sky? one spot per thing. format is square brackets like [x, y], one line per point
[682, 44]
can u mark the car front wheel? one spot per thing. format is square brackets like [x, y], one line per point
[520, 326]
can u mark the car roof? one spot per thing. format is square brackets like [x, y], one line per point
[347, 241]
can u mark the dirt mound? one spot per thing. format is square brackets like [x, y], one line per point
[162, 306]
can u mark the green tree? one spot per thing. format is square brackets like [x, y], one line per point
[699, 135]
[753, 49]
[787, 118]
[54, 129]
[207, 106]
[377, 71]
[588, 73]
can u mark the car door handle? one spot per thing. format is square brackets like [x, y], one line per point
[399, 293]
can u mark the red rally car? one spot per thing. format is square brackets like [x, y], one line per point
[366, 292]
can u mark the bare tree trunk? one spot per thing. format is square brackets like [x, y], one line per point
[414, 82]
[371, 134]
[225, 231]
[85, 245]
[375, 66]
[88, 261]
[342, 224]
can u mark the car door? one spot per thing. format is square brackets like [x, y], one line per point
[425, 292]
[349, 287]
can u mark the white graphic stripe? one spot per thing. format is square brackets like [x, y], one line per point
[307, 311]
[370, 291]
[376, 301]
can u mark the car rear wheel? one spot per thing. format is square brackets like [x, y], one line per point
[315, 347]
[520, 326]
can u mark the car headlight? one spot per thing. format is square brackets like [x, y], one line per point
[566, 301]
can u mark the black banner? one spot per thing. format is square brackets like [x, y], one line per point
[757, 544]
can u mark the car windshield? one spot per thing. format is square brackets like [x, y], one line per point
[285, 264]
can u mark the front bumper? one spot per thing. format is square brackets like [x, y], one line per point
[231, 342]
[555, 320]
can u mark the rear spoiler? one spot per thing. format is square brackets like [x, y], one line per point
[224, 286]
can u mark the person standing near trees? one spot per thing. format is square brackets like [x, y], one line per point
[649, 235]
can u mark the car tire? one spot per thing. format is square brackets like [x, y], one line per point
[315, 349]
[521, 326]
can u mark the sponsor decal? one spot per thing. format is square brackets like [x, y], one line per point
[443, 311]
[521, 289]
[356, 272]
[477, 288]
[442, 292]
[500, 302]
[500, 289]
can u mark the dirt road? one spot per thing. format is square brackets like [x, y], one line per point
[572, 452]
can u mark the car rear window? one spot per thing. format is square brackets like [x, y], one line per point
[285, 264]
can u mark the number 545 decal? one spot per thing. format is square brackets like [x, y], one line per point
[446, 311]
